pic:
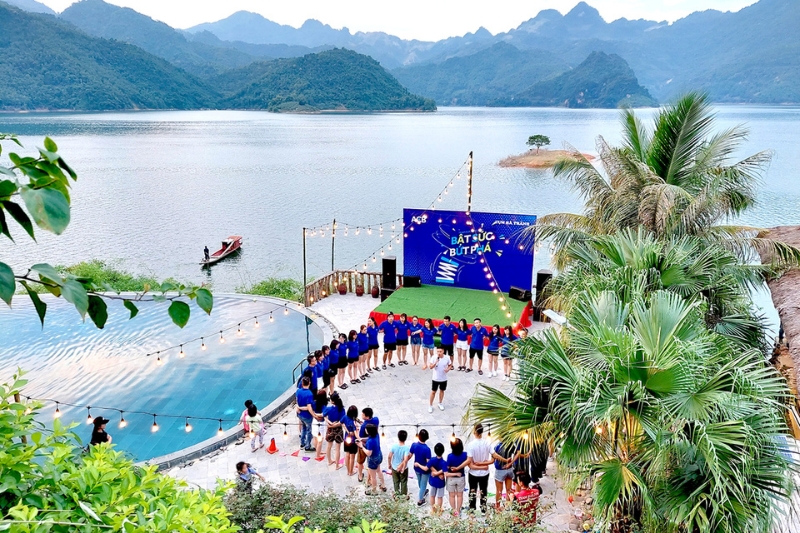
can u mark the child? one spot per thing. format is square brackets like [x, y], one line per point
[333, 365]
[363, 352]
[372, 340]
[437, 467]
[422, 454]
[334, 435]
[350, 425]
[462, 344]
[447, 331]
[352, 356]
[495, 340]
[527, 499]
[372, 449]
[456, 462]
[245, 473]
[343, 361]
[243, 419]
[415, 334]
[402, 339]
[389, 329]
[256, 425]
[477, 334]
[428, 331]
[505, 352]
[398, 463]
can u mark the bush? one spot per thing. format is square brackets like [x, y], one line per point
[333, 513]
[286, 288]
[102, 273]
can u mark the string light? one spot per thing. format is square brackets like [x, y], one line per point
[239, 330]
[219, 431]
[89, 418]
[159, 362]
[257, 325]
[188, 426]
[489, 432]
[181, 354]
[271, 318]
[221, 338]
[154, 427]
[383, 432]
[122, 422]
[285, 434]
[57, 414]
[203, 345]
[285, 309]
[453, 435]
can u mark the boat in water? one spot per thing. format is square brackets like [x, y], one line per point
[229, 246]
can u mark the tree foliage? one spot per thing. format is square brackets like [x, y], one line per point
[538, 141]
[286, 288]
[50, 483]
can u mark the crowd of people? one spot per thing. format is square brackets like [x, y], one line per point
[352, 358]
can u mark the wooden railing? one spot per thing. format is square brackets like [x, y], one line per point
[351, 279]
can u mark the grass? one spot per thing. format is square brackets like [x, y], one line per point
[104, 274]
[286, 288]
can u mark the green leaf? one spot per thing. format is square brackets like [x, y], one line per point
[3, 226]
[41, 307]
[20, 216]
[50, 145]
[75, 293]
[7, 283]
[47, 272]
[48, 207]
[98, 311]
[205, 300]
[50, 156]
[7, 171]
[7, 188]
[130, 306]
[88, 510]
[179, 312]
[168, 286]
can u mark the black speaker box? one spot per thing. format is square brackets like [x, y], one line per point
[543, 277]
[385, 293]
[515, 293]
[389, 278]
[412, 281]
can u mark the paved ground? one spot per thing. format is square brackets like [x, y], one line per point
[397, 395]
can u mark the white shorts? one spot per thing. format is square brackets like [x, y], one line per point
[456, 484]
[462, 345]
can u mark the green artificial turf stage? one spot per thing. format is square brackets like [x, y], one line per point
[433, 301]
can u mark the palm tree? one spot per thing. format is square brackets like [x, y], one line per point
[676, 428]
[678, 179]
[634, 264]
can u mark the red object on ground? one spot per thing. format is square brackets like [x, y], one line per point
[528, 501]
[272, 447]
[525, 317]
[320, 458]
[295, 454]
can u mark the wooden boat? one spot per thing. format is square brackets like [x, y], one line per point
[229, 245]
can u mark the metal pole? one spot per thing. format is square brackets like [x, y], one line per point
[333, 243]
[305, 270]
[469, 185]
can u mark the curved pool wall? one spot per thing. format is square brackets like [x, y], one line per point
[71, 361]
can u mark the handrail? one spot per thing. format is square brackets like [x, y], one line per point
[300, 364]
[351, 280]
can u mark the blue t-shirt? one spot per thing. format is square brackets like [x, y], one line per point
[326, 364]
[454, 461]
[494, 342]
[507, 344]
[462, 334]
[372, 335]
[478, 335]
[334, 357]
[402, 330]
[427, 335]
[352, 350]
[374, 421]
[363, 342]
[399, 452]
[305, 397]
[412, 329]
[349, 423]
[317, 370]
[343, 351]
[447, 332]
[333, 413]
[422, 454]
[388, 332]
[439, 464]
[373, 444]
[503, 451]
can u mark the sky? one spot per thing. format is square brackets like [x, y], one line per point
[409, 19]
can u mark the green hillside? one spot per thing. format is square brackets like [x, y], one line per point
[336, 79]
[47, 64]
[602, 80]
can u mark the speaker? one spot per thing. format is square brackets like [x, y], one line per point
[412, 281]
[543, 277]
[389, 280]
[515, 293]
[385, 293]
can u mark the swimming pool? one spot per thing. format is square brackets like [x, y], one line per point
[72, 361]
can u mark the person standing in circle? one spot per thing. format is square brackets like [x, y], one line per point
[505, 351]
[99, 435]
[343, 360]
[389, 329]
[352, 357]
[477, 334]
[441, 365]
[372, 342]
[427, 332]
[334, 435]
[350, 425]
[415, 336]
[495, 341]
[479, 452]
[447, 332]
[402, 339]
[363, 352]
[422, 454]
[457, 461]
[462, 344]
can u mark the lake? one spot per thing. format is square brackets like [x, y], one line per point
[155, 187]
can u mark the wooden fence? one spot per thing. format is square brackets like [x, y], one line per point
[350, 279]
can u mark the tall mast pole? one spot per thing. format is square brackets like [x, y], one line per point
[469, 185]
[305, 271]
[333, 242]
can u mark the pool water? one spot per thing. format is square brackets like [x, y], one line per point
[72, 361]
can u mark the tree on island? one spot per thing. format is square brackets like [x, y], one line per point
[538, 141]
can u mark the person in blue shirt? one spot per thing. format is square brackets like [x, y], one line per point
[323, 360]
[363, 352]
[350, 425]
[462, 344]
[343, 360]
[389, 329]
[415, 336]
[402, 339]
[368, 419]
[504, 455]
[310, 372]
[371, 447]
[447, 330]
[334, 435]
[246, 471]
[352, 356]
[505, 351]
[437, 467]
[372, 340]
[333, 365]
[456, 463]
[422, 454]
[477, 334]
[305, 412]
[495, 342]
[428, 331]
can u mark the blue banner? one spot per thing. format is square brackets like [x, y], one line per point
[482, 251]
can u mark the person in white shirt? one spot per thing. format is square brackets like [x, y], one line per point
[441, 365]
[479, 453]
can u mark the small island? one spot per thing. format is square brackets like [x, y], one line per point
[538, 159]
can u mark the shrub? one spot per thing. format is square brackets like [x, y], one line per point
[286, 288]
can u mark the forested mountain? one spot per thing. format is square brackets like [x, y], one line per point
[602, 80]
[32, 6]
[336, 79]
[49, 64]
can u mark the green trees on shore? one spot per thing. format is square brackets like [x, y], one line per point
[657, 393]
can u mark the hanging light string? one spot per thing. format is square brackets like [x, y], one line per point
[344, 229]
[373, 257]
[444, 192]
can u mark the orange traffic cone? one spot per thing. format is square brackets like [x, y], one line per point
[272, 447]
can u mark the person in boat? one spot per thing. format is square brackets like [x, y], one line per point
[206, 253]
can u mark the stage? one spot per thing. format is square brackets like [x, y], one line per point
[434, 301]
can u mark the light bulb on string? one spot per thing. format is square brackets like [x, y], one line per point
[154, 427]
[239, 330]
[365, 266]
[358, 230]
[397, 240]
[285, 309]
[439, 199]
[382, 252]
[220, 432]
[122, 422]
[508, 315]
[221, 338]
[453, 435]
[369, 231]
[392, 225]
[285, 434]
[159, 362]
[489, 432]
[390, 246]
[383, 432]
[319, 432]
[345, 231]
[188, 426]
[203, 344]
[257, 324]
[181, 354]
[271, 318]
[491, 283]
[374, 258]
[503, 307]
[89, 419]
[416, 436]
